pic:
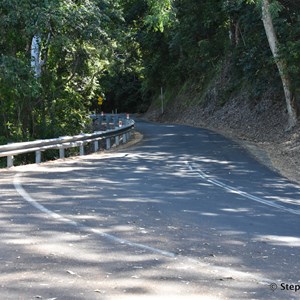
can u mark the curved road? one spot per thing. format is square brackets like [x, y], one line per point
[185, 213]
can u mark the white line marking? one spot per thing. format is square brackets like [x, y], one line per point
[234, 190]
[226, 270]
[19, 188]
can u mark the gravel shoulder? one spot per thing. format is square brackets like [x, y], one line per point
[281, 157]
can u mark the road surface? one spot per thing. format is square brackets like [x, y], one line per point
[184, 214]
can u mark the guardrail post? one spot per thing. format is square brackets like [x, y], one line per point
[117, 140]
[107, 143]
[10, 161]
[81, 150]
[116, 121]
[96, 146]
[124, 138]
[107, 122]
[38, 157]
[61, 152]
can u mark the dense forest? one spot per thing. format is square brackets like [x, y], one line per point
[58, 56]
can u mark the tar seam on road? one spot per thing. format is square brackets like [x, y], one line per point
[234, 190]
[19, 188]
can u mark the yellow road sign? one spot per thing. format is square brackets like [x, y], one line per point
[100, 100]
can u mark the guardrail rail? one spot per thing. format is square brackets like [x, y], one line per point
[120, 134]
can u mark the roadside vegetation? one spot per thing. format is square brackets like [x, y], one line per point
[57, 57]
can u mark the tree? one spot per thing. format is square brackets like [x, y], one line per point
[281, 64]
[160, 13]
[58, 56]
[52, 53]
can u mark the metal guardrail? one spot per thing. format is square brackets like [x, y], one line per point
[108, 121]
[121, 133]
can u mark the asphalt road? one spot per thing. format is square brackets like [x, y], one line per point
[184, 214]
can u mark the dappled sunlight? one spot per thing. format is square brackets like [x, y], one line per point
[221, 162]
[286, 195]
[42, 168]
[289, 241]
[141, 168]
[235, 242]
[282, 184]
[140, 200]
[232, 261]
[142, 222]
[232, 232]
[200, 213]
[83, 217]
[286, 199]
[209, 214]
[168, 134]
[120, 270]
[237, 210]
[180, 193]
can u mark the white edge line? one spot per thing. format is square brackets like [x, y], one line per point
[19, 188]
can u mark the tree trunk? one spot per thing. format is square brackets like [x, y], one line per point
[36, 63]
[281, 64]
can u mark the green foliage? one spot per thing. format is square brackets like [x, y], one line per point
[18, 90]
[125, 50]
[77, 44]
[288, 28]
[252, 55]
[161, 14]
[190, 46]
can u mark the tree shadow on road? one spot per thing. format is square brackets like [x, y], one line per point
[224, 245]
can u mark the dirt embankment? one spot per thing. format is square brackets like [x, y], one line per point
[260, 127]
